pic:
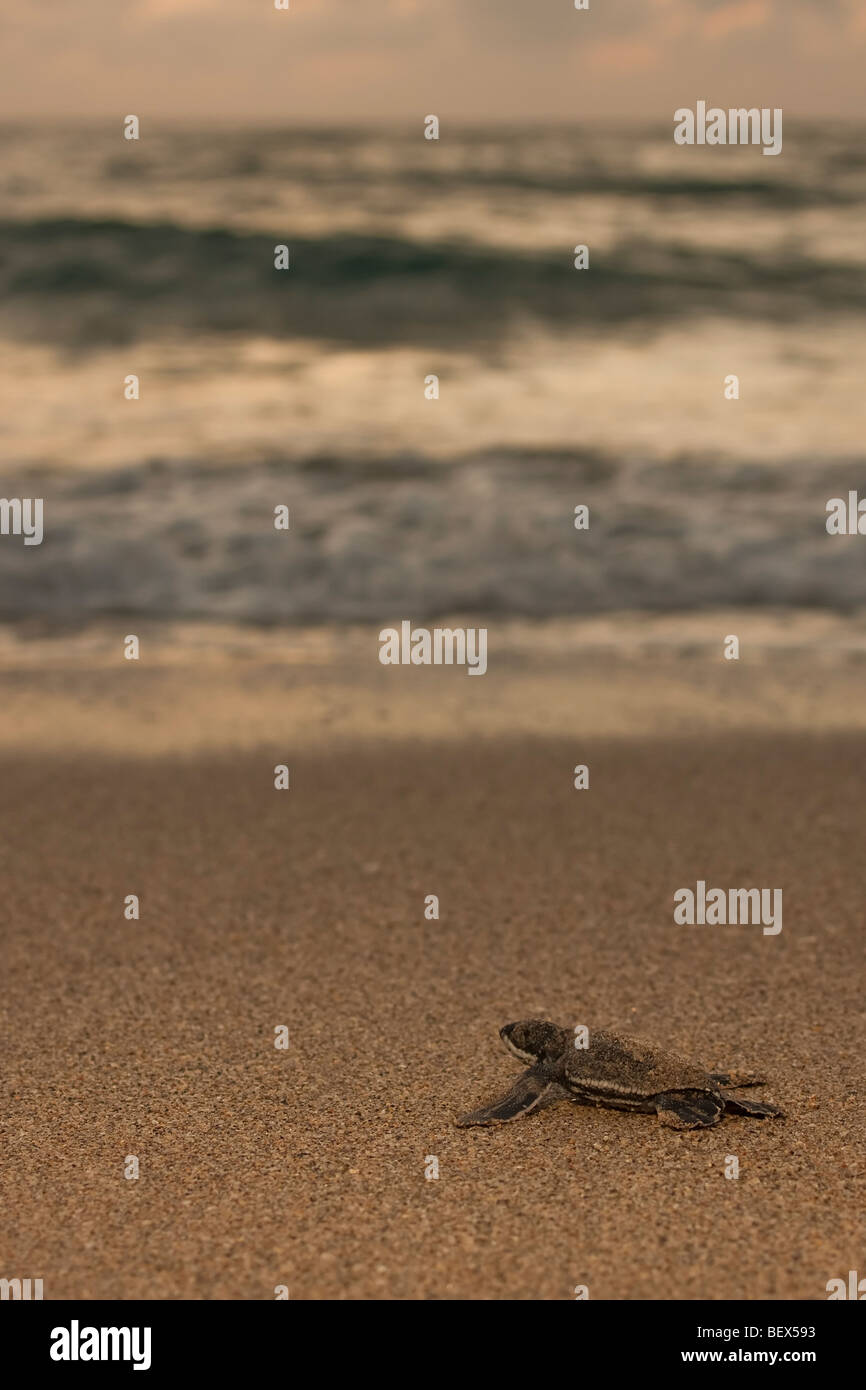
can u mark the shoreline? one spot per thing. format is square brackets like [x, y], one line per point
[201, 687]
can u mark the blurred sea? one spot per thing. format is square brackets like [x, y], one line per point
[408, 258]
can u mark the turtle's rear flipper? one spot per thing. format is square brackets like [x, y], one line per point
[526, 1094]
[689, 1109]
[737, 1078]
[758, 1111]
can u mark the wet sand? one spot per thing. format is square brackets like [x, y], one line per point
[305, 1167]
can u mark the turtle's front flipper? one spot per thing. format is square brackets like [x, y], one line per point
[689, 1109]
[758, 1111]
[526, 1094]
[737, 1078]
[554, 1094]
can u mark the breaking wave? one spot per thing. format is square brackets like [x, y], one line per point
[91, 282]
[409, 535]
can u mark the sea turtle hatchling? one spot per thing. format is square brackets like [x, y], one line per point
[623, 1073]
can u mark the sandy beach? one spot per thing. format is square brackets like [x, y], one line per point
[305, 1167]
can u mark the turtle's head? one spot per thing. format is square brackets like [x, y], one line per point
[534, 1040]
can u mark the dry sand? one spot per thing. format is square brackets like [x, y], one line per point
[306, 1167]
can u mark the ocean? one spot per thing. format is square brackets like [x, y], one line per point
[409, 258]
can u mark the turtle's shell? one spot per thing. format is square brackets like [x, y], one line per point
[630, 1068]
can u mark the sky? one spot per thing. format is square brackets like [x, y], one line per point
[347, 61]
